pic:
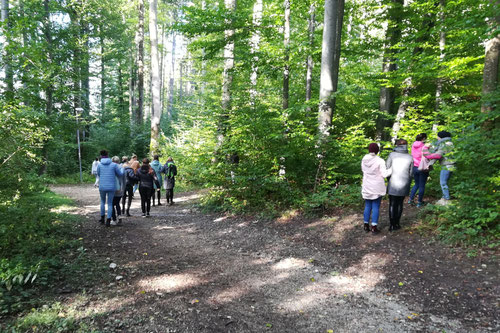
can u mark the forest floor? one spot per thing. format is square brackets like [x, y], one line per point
[185, 271]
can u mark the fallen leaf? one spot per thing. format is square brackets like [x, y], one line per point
[401, 284]
[421, 272]
[194, 301]
[142, 291]
[145, 254]
[269, 325]
[312, 280]
[329, 331]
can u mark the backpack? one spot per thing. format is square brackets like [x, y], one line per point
[170, 172]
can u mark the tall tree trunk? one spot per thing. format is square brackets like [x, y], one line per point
[49, 104]
[442, 44]
[286, 45]
[132, 107]
[171, 90]
[155, 77]
[227, 79]
[310, 61]
[491, 63]
[330, 57]
[121, 100]
[139, 112]
[162, 68]
[181, 82]
[255, 41]
[85, 77]
[103, 76]
[25, 72]
[7, 55]
[387, 91]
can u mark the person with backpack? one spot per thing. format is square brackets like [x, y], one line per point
[398, 186]
[107, 172]
[94, 171]
[131, 179]
[170, 171]
[157, 167]
[443, 151]
[120, 189]
[373, 186]
[419, 150]
[147, 177]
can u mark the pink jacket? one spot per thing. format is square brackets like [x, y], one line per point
[416, 152]
[374, 172]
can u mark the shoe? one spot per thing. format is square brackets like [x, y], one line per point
[366, 227]
[153, 204]
[397, 226]
[171, 203]
[147, 215]
[375, 230]
[101, 220]
[128, 214]
[108, 222]
[391, 228]
[159, 204]
[410, 202]
[442, 202]
[113, 223]
[119, 221]
[143, 214]
[420, 204]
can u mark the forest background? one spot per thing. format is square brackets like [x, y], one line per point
[268, 104]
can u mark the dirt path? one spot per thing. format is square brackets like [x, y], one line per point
[184, 271]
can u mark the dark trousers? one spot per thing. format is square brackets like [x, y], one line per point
[116, 207]
[395, 208]
[145, 193]
[170, 195]
[129, 191]
[156, 193]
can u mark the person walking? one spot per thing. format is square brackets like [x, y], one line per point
[398, 186]
[107, 171]
[146, 176]
[120, 189]
[373, 186]
[94, 171]
[170, 171]
[157, 167]
[136, 186]
[131, 179]
[443, 151]
[418, 152]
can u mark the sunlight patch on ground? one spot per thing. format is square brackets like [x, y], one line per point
[183, 198]
[163, 227]
[171, 283]
[287, 216]
[105, 306]
[220, 219]
[62, 209]
[290, 263]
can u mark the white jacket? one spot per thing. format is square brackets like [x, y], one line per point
[374, 172]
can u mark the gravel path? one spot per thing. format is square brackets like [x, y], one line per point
[184, 271]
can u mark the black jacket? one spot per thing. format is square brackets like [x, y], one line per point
[130, 177]
[146, 179]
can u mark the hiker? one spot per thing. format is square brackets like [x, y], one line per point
[94, 171]
[107, 171]
[419, 150]
[124, 161]
[443, 151]
[398, 186]
[157, 167]
[170, 171]
[120, 189]
[131, 178]
[373, 186]
[134, 159]
[146, 176]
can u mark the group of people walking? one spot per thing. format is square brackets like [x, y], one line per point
[118, 181]
[399, 169]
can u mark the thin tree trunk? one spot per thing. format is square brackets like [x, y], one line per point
[25, 74]
[442, 44]
[330, 57]
[131, 90]
[181, 82]
[170, 108]
[47, 31]
[310, 60]
[139, 113]
[387, 91]
[162, 68]
[121, 100]
[491, 74]
[255, 41]
[85, 77]
[155, 77]
[103, 76]
[7, 56]
[286, 45]
[227, 79]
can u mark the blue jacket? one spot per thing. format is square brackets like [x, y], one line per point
[107, 171]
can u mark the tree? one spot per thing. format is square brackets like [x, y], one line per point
[139, 111]
[7, 54]
[491, 62]
[330, 59]
[310, 60]
[155, 81]
[286, 45]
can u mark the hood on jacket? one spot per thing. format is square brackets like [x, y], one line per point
[417, 144]
[105, 161]
[369, 161]
[155, 163]
[401, 149]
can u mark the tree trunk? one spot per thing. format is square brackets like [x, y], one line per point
[387, 91]
[47, 32]
[121, 100]
[162, 68]
[155, 77]
[7, 56]
[132, 107]
[286, 45]
[255, 41]
[310, 60]
[227, 79]
[139, 112]
[491, 61]
[170, 108]
[103, 76]
[442, 44]
[330, 57]
[85, 77]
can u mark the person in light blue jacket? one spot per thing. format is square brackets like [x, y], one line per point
[107, 171]
[157, 167]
